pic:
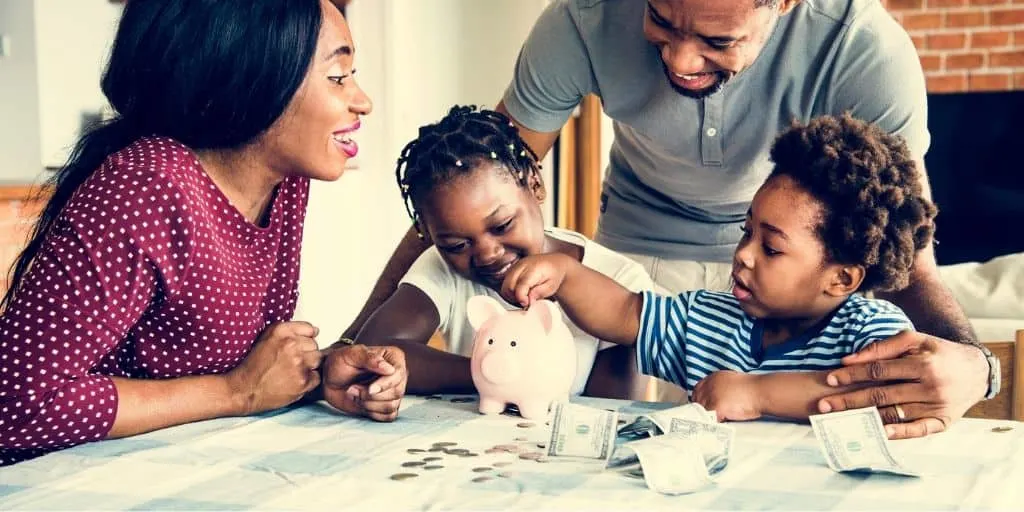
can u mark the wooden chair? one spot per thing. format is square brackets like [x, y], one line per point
[1009, 403]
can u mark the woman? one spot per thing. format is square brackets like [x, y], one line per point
[159, 283]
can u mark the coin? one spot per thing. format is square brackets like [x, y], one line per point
[412, 464]
[457, 451]
[481, 469]
[462, 400]
[501, 464]
[526, 424]
[436, 466]
[403, 476]
[1002, 429]
[541, 446]
[444, 444]
[436, 449]
[506, 475]
[522, 439]
[491, 451]
[480, 479]
[415, 450]
[470, 454]
[531, 455]
[431, 459]
[507, 448]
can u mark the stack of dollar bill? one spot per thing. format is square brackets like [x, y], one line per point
[675, 451]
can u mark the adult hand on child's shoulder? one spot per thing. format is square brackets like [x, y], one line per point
[920, 383]
[534, 278]
[365, 380]
[734, 396]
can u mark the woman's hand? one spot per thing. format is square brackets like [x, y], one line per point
[734, 396]
[365, 380]
[535, 278]
[932, 381]
[280, 368]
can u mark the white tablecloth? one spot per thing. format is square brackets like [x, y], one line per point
[314, 458]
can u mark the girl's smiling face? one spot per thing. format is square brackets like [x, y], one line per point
[484, 221]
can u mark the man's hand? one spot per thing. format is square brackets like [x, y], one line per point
[734, 396]
[932, 381]
[365, 381]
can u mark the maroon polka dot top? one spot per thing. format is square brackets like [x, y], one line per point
[149, 272]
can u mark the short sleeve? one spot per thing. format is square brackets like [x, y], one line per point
[660, 344]
[883, 320]
[552, 73]
[878, 78]
[433, 277]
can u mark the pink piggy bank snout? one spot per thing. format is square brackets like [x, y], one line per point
[500, 366]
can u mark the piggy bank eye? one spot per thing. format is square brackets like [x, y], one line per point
[490, 342]
[513, 343]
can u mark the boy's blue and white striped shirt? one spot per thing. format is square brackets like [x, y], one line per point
[685, 338]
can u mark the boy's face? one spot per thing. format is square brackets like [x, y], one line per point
[483, 222]
[779, 268]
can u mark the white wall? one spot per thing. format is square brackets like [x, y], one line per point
[415, 59]
[73, 39]
[19, 94]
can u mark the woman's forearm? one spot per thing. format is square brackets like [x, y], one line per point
[147, 405]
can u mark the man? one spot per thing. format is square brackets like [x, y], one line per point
[697, 90]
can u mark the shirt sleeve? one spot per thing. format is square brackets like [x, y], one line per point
[552, 73]
[432, 276]
[660, 344]
[878, 78]
[119, 243]
[884, 321]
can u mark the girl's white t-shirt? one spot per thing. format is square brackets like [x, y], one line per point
[450, 292]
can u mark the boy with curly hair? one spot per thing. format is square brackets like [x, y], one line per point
[842, 213]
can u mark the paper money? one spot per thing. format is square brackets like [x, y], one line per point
[670, 463]
[855, 441]
[714, 440]
[581, 432]
[658, 422]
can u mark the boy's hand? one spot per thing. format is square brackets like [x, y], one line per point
[535, 278]
[734, 396]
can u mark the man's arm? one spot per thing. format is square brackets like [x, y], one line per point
[539, 142]
[410, 248]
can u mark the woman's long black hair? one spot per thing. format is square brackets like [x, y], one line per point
[212, 74]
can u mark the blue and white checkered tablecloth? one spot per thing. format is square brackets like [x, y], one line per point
[315, 458]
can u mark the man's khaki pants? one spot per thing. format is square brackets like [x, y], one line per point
[672, 277]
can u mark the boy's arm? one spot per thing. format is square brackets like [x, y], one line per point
[739, 396]
[596, 303]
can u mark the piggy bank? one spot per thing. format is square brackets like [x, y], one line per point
[526, 357]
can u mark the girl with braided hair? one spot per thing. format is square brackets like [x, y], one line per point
[473, 188]
[842, 213]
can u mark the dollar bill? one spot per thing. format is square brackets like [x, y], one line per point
[657, 423]
[714, 440]
[855, 441]
[581, 432]
[670, 463]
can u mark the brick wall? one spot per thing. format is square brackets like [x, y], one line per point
[966, 45]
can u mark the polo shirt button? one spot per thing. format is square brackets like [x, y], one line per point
[711, 132]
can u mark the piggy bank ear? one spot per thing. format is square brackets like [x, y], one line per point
[547, 312]
[482, 308]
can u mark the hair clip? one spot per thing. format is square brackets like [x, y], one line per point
[510, 124]
[511, 147]
[494, 156]
[522, 153]
[522, 175]
[458, 163]
[405, 187]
